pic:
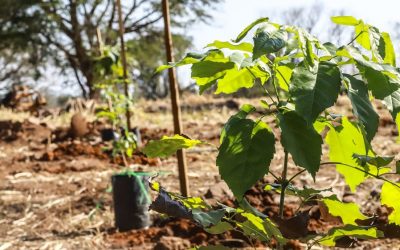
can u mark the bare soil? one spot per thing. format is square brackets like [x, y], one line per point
[54, 188]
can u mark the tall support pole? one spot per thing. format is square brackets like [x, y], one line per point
[176, 110]
[124, 64]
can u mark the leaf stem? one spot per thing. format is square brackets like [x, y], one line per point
[294, 176]
[262, 86]
[359, 34]
[275, 177]
[273, 84]
[284, 184]
[362, 170]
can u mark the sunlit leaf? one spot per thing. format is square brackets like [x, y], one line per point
[386, 49]
[283, 75]
[236, 79]
[341, 149]
[249, 27]
[348, 212]
[232, 46]
[167, 145]
[390, 197]
[358, 232]
[345, 20]
[361, 32]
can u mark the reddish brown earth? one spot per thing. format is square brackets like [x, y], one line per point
[53, 193]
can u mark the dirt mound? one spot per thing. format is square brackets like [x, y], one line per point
[25, 131]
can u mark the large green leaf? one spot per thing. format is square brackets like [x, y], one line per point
[390, 197]
[244, 111]
[362, 107]
[245, 153]
[266, 42]
[168, 145]
[337, 233]
[249, 27]
[344, 141]
[345, 20]
[301, 141]
[228, 45]
[314, 92]
[348, 212]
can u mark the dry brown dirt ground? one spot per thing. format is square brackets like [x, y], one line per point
[54, 189]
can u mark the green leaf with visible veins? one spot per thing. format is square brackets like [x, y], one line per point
[345, 20]
[301, 141]
[228, 45]
[249, 27]
[168, 146]
[358, 232]
[348, 212]
[362, 107]
[390, 197]
[245, 153]
[341, 149]
[314, 92]
[266, 42]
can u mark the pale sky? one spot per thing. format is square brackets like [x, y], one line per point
[233, 15]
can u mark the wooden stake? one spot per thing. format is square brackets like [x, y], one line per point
[124, 65]
[176, 110]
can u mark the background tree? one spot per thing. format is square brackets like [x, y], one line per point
[66, 31]
[20, 51]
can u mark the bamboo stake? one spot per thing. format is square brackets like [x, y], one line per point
[176, 111]
[124, 64]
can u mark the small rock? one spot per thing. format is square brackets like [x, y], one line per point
[172, 243]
